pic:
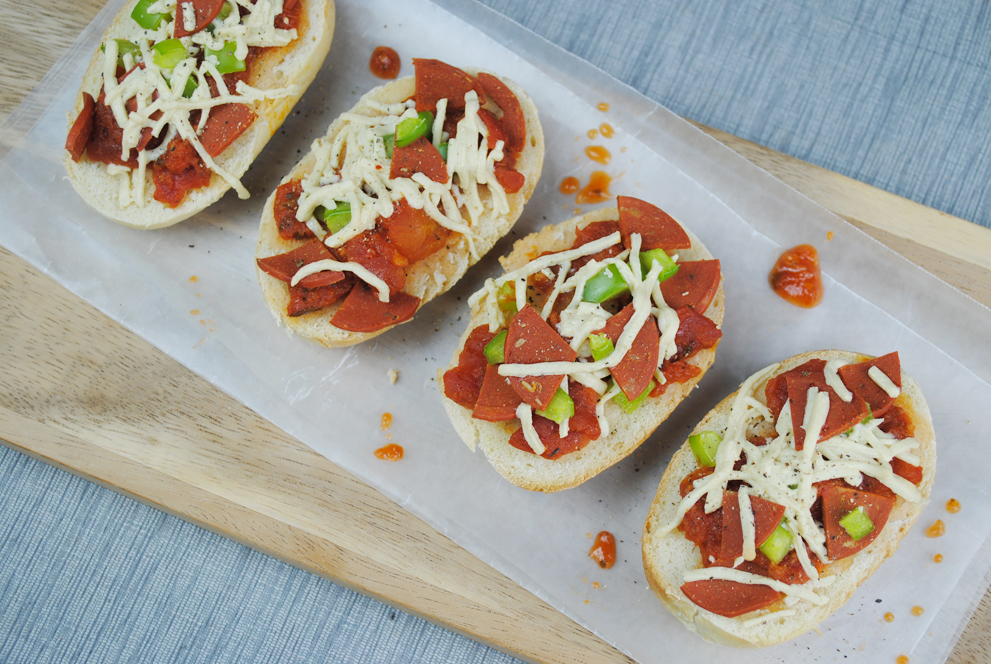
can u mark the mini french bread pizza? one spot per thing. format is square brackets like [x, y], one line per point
[601, 325]
[405, 192]
[181, 97]
[788, 495]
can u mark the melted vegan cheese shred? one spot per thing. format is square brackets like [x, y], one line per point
[160, 91]
[779, 473]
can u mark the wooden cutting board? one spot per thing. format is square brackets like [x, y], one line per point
[79, 391]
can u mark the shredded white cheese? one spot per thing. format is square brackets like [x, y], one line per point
[881, 380]
[525, 415]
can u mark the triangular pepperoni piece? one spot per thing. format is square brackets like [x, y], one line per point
[837, 502]
[225, 124]
[855, 378]
[362, 311]
[549, 433]
[285, 266]
[306, 300]
[729, 598]
[767, 516]
[657, 229]
[436, 80]
[694, 285]
[497, 400]
[463, 383]
[842, 415]
[413, 232]
[907, 471]
[206, 11]
[513, 121]
[695, 333]
[496, 132]
[635, 370]
[531, 340]
[81, 129]
[420, 156]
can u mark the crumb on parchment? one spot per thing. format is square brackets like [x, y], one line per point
[393, 376]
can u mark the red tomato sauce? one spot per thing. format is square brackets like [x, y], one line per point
[796, 276]
[603, 551]
[384, 62]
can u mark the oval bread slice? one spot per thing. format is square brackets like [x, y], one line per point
[293, 65]
[667, 557]
[427, 278]
[627, 432]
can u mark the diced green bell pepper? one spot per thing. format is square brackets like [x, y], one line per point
[227, 62]
[442, 149]
[777, 546]
[601, 346]
[704, 446]
[495, 350]
[124, 46]
[857, 524]
[411, 129]
[631, 406]
[168, 53]
[605, 285]
[145, 19]
[668, 267]
[335, 219]
[560, 408]
[506, 298]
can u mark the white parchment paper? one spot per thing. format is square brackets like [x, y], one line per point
[332, 400]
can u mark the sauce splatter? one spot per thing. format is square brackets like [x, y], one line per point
[598, 153]
[390, 452]
[195, 312]
[597, 189]
[603, 551]
[193, 279]
[889, 617]
[570, 185]
[938, 558]
[829, 236]
[606, 130]
[592, 133]
[936, 530]
[384, 62]
[595, 584]
[796, 276]
[917, 610]
[603, 106]
[952, 505]
[386, 421]
[902, 659]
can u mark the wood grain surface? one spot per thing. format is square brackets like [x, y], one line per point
[81, 392]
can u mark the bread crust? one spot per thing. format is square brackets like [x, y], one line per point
[427, 278]
[297, 64]
[667, 557]
[627, 432]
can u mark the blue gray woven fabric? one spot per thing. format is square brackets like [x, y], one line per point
[893, 93]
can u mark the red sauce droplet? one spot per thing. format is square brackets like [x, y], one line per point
[386, 421]
[796, 276]
[597, 189]
[902, 659]
[570, 185]
[592, 133]
[952, 505]
[936, 530]
[889, 617]
[598, 153]
[938, 558]
[917, 610]
[604, 550]
[391, 452]
[606, 130]
[603, 106]
[384, 62]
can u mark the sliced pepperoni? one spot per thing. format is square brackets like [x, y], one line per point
[595, 231]
[695, 333]
[513, 121]
[496, 133]
[497, 401]
[790, 569]
[510, 180]
[106, 138]
[531, 340]
[225, 124]
[855, 378]
[897, 423]
[81, 129]
[675, 372]
[729, 598]
[420, 156]
[583, 427]
[837, 502]
[307, 300]
[694, 285]
[179, 155]
[206, 11]
[284, 208]
[841, 416]
[767, 516]
[584, 420]
[451, 119]
[436, 80]
[413, 232]
[635, 371]
[285, 266]
[657, 229]
[362, 310]
[289, 18]
[373, 251]
[907, 471]
[463, 383]
[182, 173]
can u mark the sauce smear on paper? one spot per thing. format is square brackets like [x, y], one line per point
[952, 505]
[796, 276]
[391, 452]
[384, 62]
[937, 529]
[598, 153]
[606, 130]
[603, 550]
[570, 185]
[597, 189]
